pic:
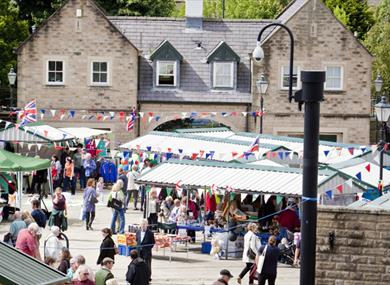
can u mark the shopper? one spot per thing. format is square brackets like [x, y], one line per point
[89, 166]
[100, 189]
[89, 202]
[138, 272]
[107, 247]
[152, 209]
[251, 246]
[69, 176]
[145, 243]
[122, 176]
[271, 255]
[132, 187]
[116, 197]
[64, 260]
[53, 244]
[83, 276]
[27, 240]
[38, 215]
[224, 277]
[56, 171]
[59, 212]
[104, 273]
[78, 166]
[16, 226]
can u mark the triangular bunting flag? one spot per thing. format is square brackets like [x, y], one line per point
[340, 188]
[351, 150]
[266, 197]
[326, 152]
[359, 175]
[329, 193]
[279, 199]
[53, 113]
[244, 113]
[368, 167]
[280, 153]
[243, 196]
[39, 145]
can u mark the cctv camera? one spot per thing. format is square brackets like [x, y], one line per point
[258, 53]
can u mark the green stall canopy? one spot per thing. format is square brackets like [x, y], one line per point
[15, 162]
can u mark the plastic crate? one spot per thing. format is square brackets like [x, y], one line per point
[206, 247]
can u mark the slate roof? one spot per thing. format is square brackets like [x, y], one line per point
[21, 269]
[195, 80]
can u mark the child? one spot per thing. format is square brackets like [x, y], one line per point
[100, 190]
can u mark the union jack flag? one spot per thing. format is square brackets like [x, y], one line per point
[28, 114]
[131, 122]
[254, 145]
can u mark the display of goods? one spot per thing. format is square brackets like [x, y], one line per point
[131, 239]
[162, 240]
[121, 239]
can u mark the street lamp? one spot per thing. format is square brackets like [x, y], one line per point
[262, 86]
[11, 80]
[378, 83]
[311, 95]
[382, 111]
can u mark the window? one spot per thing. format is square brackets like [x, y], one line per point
[99, 73]
[223, 75]
[286, 77]
[166, 73]
[334, 78]
[55, 72]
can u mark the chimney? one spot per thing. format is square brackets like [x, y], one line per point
[194, 14]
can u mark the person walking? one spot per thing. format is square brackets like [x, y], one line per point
[138, 272]
[16, 226]
[251, 247]
[59, 212]
[104, 273]
[116, 200]
[107, 247]
[271, 254]
[78, 165]
[56, 171]
[89, 201]
[145, 243]
[132, 187]
[224, 277]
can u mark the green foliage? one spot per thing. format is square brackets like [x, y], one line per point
[12, 32]
[151, 8]
[378, 42]
[240, 9]
[355, 14]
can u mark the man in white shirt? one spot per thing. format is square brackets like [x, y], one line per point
[132, 187]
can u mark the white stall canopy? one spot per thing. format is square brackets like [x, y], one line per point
[83, 132]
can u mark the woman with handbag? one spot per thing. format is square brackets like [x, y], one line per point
[267, 261]
[251, 246]
[116, 200]
[90, 200]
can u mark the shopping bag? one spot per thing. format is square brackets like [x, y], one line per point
[253, 273]
[261, 260]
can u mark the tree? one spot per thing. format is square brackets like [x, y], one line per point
[378, 42]
[151, 8]
[12, 32]
[355, 14]
[241, 9]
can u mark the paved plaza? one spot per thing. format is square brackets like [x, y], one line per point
[198, 270]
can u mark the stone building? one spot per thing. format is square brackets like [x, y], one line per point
[199, 65]
[360, 251]
[73, 62]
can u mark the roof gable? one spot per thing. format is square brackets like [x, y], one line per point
[166, 51]
[222, 52]
[99, 10]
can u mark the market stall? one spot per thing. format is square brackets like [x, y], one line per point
[12, 162]
[84, 133]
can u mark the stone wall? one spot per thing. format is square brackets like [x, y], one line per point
[361, 255]
[78, 41]
[320, 41]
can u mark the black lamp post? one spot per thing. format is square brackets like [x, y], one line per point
[11, 80]
[382, 110]
[311, 95]
[262, 86]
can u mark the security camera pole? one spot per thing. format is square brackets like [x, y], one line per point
[311, 95]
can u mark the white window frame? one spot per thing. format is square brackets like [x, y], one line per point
[47, 72]
[231, 85]
[108, 73]
[288, 70]
[174, 73]
[341, 79]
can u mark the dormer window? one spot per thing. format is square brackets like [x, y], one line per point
[224, 67]
[166, 63]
